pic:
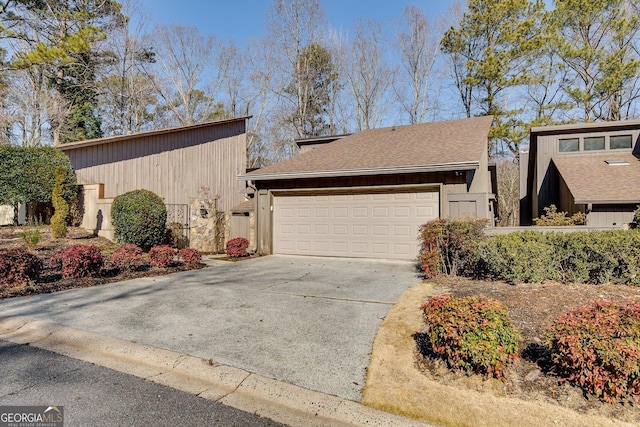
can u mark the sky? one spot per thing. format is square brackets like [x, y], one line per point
[242, 20]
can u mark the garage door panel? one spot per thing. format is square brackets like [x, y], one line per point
[368, 225]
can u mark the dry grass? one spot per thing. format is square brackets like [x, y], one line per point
[396, 384]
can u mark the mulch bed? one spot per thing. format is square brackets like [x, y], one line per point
[51, 281]
[532, 308]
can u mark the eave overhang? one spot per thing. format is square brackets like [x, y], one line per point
[442, 167]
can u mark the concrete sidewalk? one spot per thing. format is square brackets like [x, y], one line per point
[304, 320]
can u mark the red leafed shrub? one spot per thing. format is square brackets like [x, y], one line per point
[237, 247]
[449, 246]
[129, 257]
[472, 333]
[597, 347]
[190, 256]
[78, 261]
[162, 256]
[18, 267]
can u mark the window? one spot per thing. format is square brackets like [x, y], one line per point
[569, 144]
[594, 143]
[620, 141]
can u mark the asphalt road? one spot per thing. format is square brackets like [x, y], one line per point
[95, 396]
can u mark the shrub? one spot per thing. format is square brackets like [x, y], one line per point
[553, 218]
[582, 257]
[60, 205]
[597, 347]
[449, 245]
[139, 217]
[31, 238]
[78, 261]
[237, 247]
[162, 256]
[129, 257]
[190, 256]
[18, 267]
[518, 257]
[635, 222]
[472, 333]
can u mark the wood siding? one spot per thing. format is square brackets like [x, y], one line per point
[610, 215]
[545, 185]
[174, 165]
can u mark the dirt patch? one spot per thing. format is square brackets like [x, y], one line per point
[51, 280]
[400, 379]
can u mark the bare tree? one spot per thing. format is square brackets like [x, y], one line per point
[295, 27]
[366, 73]
[183, 58]
[418, 48]
[127, 96]
[508, 192]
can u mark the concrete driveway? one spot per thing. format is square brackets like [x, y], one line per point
[304, 320]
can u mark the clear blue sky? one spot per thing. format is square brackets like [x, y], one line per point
[242, 20]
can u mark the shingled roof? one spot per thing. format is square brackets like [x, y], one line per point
[438, 146]
[603, 178]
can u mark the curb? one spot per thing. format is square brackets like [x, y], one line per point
[240, 389]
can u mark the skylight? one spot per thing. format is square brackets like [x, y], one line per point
[617, 162]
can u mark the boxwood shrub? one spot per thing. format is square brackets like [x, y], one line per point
[580, 257]
[139, 217]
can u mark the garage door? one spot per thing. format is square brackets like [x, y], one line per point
[371, 225]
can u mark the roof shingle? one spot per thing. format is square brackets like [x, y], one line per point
[591, 179]
[438, 143]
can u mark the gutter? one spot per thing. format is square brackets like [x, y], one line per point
[442, 167]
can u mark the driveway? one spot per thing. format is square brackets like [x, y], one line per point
[304, 320]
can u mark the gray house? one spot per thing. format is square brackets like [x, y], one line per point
[592, 168]
[367, 194]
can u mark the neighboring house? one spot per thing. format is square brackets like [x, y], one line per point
[592, 168]
[367, 194]
[179, 164]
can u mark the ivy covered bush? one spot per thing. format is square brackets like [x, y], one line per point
[597, 347]
[162, 256]
[18, 267]
[139, 217]
[472, 333]
[78, 261]
[27, 174]
[129, 257]
[237, 248]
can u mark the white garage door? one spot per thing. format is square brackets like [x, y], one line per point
[371, 225]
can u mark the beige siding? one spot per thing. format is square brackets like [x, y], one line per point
[174, 165]
[610, 215]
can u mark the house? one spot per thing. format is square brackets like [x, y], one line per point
[193, 168]
[367, 194]
[592, 168]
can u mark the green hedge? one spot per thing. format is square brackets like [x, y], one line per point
[28, 174]
[581, 257]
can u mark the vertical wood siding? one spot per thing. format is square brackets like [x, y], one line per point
[174, 165]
